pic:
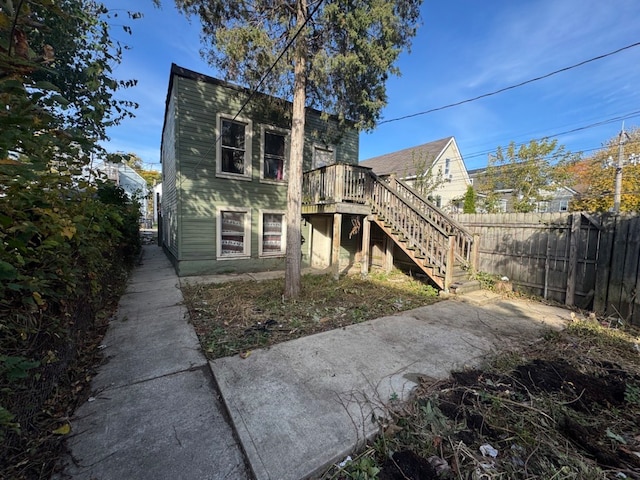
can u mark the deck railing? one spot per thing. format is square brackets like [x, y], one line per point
[336, 183]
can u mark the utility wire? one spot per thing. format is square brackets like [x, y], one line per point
[273, 65]
[511, 87]
[254, 90]
[577, 129]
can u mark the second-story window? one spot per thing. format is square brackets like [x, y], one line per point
[234, 147]
[274, 154]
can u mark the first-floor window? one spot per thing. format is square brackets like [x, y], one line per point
[272, 240]
[234, 233]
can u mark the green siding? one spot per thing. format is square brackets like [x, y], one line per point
[169, 170]
[197, 192]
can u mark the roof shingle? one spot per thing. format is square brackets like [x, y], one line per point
[403, 162]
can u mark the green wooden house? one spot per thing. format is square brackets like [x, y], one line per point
[225, 177]
[224, 158]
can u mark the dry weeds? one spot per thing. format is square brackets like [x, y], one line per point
[237, 317]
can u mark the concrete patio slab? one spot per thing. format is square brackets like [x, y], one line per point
[304, 404]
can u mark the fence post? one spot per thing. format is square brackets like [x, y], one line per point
[603, 267]
[448, 273]
[574, 234]
[475, 252]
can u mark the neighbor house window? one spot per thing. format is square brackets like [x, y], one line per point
[323, 156]
[447, 167]
[564, 205]
[234, 233]
[233, 142]
[437, 200]
[274, 154]
[542, 207]
[272, 233]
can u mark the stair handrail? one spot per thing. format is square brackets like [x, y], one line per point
[428, 205]
[432, 242]
[465, 239]
[377, 180]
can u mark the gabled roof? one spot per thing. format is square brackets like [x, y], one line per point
[403, 162]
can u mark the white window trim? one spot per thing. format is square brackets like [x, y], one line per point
[287, 143]
[247, 234]
[283, 248]
[321, 146]
[248, 142]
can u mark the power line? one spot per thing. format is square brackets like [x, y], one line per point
[511, 87]
[577, 129]
[254, 90]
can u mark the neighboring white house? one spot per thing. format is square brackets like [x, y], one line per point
[157, 201]
[557, 198]
[129, 180]
[440, 158]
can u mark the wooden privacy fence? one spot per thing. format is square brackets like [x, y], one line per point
[590, 261]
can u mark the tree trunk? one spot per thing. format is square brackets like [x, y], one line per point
[292, 281]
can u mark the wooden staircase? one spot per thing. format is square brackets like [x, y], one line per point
[441, 248]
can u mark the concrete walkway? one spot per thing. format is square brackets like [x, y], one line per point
[296, 407]
[155, 412]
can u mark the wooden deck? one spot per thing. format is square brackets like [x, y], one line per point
[437, 244]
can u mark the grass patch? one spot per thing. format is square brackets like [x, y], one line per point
[236, 317]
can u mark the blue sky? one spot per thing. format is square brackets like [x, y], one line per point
[463, 49]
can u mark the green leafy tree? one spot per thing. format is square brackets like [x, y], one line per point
[336, 55]
[525, 174]
[65, 244]
[469, 205]
[56, 83]
[595, 176]
[426, 180]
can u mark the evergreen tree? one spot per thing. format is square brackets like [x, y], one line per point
[469, 205]
[335, 55]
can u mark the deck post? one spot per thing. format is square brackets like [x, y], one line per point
[388, 254]
[335, 244]
[448, 273]
[366, 246]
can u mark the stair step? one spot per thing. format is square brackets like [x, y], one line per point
[460, 288]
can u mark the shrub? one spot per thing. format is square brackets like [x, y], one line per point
[66, 250]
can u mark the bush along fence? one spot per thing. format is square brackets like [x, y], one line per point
[583, 260]
[65, 256]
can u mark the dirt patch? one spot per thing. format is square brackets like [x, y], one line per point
[568, 407]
